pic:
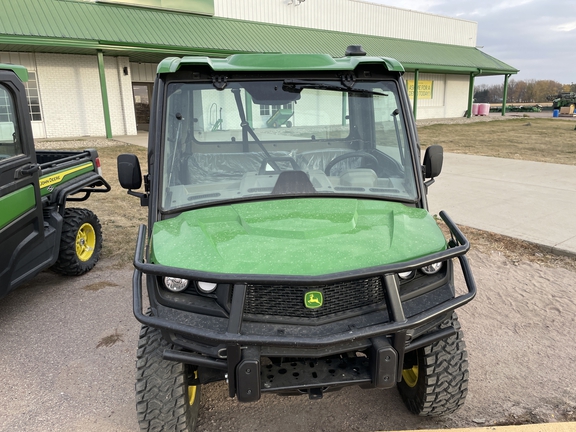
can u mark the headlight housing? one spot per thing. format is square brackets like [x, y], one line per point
[406, 275]
[432, 268]
[175, 284]
[427, 270]
[206, 287]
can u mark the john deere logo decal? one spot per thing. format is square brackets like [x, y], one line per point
[313, 299]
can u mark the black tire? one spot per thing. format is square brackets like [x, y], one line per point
[80, 243]
[435, 378]
[163, 388]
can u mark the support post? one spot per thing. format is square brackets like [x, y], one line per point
[249, 110]
[344, 107]
[415, 97]
[104, 91]
[505, 95]
[470, 95]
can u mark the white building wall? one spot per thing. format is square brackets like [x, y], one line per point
[27, 60]
[353, 16]
[143, 72]
[71, 95]
[449, 96]
[120, 101]
[457, 87]
[72, 99]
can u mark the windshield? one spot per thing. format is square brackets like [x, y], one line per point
[271, 138]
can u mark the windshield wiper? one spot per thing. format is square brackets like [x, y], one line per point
[294, 85]
[246, 129]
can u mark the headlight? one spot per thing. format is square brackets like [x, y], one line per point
[207, 287]
[175, 284]
[432, 268]
[406, 275]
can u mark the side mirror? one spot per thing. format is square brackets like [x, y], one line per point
[433, 159]
[130, 176]
[129, 173]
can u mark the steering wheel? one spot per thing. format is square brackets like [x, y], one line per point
[357, 154]
[274, 166]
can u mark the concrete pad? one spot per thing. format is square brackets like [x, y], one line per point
[140, 139]
[532, 201]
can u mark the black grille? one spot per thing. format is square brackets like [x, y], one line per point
[288, 301]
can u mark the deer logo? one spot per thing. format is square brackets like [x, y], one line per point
[313, 299]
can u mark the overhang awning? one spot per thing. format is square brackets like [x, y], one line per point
[149, 35]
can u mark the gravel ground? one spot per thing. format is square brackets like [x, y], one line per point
[69, 348]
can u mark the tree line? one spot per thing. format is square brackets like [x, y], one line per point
[521, 91]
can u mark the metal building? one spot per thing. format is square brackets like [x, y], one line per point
[92, 62]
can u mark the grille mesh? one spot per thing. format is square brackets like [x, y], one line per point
[288, 301]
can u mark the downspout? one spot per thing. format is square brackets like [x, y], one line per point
[505, 95]
[104, 91]
[249, 110]
[471, 92]
[415, 98]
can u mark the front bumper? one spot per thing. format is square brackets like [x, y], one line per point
[239, 348]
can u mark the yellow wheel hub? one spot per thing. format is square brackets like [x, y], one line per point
[410, 376]
[192, 391]
[85, 242]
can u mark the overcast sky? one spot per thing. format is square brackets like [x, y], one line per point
[536, 36]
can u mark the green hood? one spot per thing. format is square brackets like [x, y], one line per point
[303, 236]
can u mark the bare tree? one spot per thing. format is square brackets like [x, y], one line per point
[521, 91]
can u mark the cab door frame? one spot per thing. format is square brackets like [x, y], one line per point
[21, 215]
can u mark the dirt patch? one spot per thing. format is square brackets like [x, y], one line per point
[514, 250]
[108, 341]
[99, 285]
[533, 139]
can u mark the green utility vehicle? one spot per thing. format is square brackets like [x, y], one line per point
[280, 118]
[564, 99]
[37, 231]
[293, 260]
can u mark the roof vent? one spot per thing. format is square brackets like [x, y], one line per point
[355, 50]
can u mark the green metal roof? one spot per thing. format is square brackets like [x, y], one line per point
[20, 71]
[81, 27]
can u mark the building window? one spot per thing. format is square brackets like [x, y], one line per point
[33, 97]
[264, 110]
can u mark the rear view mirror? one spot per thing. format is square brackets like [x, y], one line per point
[433, 159]
[129, 174]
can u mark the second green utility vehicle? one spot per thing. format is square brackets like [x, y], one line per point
[38, 228]
[291, 260]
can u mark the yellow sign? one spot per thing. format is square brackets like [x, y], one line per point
[424, 89]
[203, 7]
